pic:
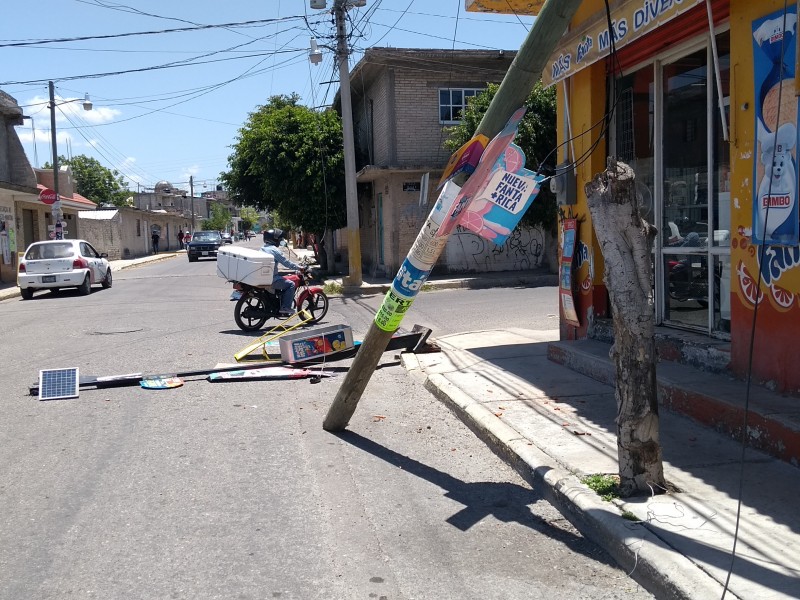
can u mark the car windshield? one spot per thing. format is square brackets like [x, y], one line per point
[205, 236]
[46, 251]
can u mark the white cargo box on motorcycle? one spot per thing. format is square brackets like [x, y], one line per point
[246, 265]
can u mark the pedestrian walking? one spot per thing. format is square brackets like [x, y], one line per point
[180, 239]
[155, 237]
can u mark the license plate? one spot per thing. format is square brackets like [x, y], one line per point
[48, 278]
[236, 294]
[204, 253]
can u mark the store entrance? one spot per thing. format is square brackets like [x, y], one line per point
[668, 127]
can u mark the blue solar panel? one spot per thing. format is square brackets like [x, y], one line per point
[56, 384]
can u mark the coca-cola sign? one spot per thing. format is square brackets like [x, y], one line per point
[48, 196]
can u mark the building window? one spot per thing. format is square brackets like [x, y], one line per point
[453, 101]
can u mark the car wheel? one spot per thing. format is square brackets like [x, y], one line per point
[26, 293]
[192, 258]
[85, 288]
[108, 280]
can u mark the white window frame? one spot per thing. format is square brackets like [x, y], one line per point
[465, 93]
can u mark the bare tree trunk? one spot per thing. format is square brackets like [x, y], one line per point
[626, 241]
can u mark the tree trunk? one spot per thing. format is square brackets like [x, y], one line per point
[626, 241]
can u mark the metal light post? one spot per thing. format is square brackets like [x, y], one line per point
[57, 212]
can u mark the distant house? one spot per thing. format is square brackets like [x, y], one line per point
[403, 99]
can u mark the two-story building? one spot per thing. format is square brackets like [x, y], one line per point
[403, 101]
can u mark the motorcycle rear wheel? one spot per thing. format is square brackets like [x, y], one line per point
[316, 305]
[249, 302]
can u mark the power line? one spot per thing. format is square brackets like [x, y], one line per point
[21, 43]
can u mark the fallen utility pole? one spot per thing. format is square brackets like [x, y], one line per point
[523, 74]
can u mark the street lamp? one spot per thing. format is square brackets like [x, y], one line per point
[57, 212]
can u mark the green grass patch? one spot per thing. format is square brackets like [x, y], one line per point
[605, 486]
[629, 516]
[333, 289]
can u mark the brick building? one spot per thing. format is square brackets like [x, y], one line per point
[403, 100]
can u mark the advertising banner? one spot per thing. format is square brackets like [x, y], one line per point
[569, 235]
[498, 207]
[464, 160]
[775, 205]
[444, 216]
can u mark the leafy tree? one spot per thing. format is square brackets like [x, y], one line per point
[219, 220]
[536, 136]
[248, 216]
[96, 182]
[289, 159]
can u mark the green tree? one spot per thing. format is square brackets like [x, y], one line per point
[96, 182]
[220, 218]
[288, 159]
[249, 217]
[536, 136]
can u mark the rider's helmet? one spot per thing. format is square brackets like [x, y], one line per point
[274, 236]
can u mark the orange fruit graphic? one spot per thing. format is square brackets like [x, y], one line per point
[748, 286]
[781, 297]
[472, 221]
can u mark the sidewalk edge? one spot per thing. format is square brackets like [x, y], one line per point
[640, 553]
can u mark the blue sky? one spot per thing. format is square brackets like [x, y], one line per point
[152, 123]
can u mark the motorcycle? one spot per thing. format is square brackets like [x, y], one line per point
[254, 305]
[688, 276]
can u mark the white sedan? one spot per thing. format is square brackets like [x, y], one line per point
[59, 264]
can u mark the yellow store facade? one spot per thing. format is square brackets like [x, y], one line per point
[699, 97]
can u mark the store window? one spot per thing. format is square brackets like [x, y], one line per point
[669, 128]
[453, 101]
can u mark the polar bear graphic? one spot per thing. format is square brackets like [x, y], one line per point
[777, 191]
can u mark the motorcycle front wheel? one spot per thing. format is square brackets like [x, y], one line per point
[249, 312]
[316, 305]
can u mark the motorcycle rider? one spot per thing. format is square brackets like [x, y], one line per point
[285, 287]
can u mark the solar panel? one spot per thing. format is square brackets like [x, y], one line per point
[57, 384]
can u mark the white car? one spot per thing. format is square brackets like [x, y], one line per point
[59, 264]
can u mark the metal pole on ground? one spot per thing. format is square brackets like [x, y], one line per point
[523, 74]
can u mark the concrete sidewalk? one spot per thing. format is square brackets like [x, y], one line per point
[556, 426]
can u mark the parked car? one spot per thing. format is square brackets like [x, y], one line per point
[227, 238]
[56, 264]
[204, 244]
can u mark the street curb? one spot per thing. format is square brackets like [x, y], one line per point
[639, 552]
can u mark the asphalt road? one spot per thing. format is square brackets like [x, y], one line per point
[233, 490]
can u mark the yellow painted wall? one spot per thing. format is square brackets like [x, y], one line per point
[587, 98]
[778, 324]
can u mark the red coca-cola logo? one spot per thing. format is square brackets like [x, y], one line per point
[48, 196]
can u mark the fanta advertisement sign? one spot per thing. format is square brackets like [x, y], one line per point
[500, 204]
[509, 191]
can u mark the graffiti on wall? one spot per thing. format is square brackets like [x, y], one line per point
[468, 252]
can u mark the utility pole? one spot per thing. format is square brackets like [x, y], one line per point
[354, 277]
[56, 210]
[523, 74]
[191, 195]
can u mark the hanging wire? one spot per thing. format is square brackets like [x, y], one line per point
[751, 347]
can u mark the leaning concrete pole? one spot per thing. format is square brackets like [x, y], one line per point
[525, 71]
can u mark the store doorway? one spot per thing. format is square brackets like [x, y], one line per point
[668, 128]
